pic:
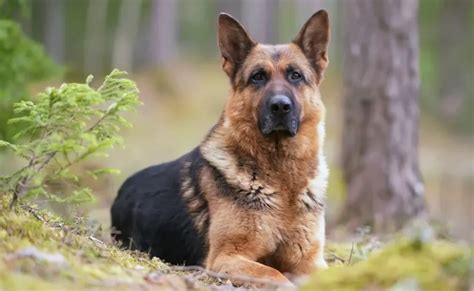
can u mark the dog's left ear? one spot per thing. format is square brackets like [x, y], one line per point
[313, 39]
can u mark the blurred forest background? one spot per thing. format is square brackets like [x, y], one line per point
[169, 48]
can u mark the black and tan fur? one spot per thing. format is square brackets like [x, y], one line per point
[249, 200]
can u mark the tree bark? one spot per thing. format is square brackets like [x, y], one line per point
[380, 135]
[54, 29]
[96, 25]
[126, 34]
[258, 17]
[163, 32]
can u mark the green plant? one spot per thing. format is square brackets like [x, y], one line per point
[65, 126]
[10, 8]
[22, 61]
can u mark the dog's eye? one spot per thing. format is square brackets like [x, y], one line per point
[258, 77]
[295, 76]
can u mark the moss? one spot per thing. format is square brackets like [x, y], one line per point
[87, 261]
[437, 265]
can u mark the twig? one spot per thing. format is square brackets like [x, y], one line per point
[19, 188]
[338, 257]
[33, 212]
[96, 240]
[350, 255]
[22, 185]
[46, 161]
[97, 122]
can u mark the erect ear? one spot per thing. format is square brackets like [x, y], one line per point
[234, 43]
[313, 39]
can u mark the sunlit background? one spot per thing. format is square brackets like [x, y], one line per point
[169, 48]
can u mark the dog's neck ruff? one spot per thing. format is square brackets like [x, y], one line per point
[240, 177]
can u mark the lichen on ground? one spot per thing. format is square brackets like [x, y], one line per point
[40, 251]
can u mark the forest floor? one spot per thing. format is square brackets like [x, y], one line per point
[40, 251]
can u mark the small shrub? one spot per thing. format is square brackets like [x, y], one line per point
[63, 127]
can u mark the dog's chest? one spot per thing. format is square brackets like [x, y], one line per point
[283, 216]
[294, 226]
[293, 237]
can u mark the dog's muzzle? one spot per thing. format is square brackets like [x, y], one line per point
[279, 114]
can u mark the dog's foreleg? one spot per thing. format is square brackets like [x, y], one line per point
[239, 266]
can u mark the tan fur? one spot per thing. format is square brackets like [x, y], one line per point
[288, 175]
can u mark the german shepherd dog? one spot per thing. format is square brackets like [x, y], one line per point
[249, 200]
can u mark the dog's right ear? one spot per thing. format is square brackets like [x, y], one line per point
[234, 43]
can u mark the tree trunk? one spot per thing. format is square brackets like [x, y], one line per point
[95, 36]
[54, 29]
[163, 32]
[259, 18]
[380, 135]
[127, 30]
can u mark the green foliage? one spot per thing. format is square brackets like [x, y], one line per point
[65, 126]
[8, 8]
[22, 61]
[405, 262]
[79, 257]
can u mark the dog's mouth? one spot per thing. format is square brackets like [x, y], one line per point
[279, 115]
[269, 126]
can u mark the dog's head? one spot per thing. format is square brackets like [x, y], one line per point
[275, 88]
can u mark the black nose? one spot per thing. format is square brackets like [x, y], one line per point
[280, 104]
